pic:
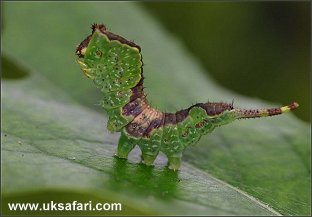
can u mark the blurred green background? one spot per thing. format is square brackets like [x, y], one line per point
[249, 47]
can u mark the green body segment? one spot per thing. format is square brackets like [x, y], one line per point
[115, 68]
[173, 139]
[171, 146]
[116, 120]
[117, 99]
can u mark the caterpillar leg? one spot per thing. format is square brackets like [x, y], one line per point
[150, 147]
[149, 151]
[174, 162]
[124, 146]
[148, 159]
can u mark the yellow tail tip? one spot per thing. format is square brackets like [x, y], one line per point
[289, 107]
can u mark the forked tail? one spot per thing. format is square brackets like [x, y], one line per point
[256, 113]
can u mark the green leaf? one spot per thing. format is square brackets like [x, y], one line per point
[55, 145]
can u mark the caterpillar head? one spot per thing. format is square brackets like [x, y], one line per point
[82, 48]
[110, 61]
[80, 51]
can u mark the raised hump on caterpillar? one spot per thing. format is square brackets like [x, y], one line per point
[115, 65]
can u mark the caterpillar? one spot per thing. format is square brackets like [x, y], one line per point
[115, 65]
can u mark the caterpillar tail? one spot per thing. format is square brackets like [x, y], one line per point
[257, 113]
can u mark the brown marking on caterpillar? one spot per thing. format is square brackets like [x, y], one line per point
[181, 115]
[95, 26]
[99, 53]
[274, 111]
[83, 45]
[256, 112]
[137, 91]
[135, 107]
[200, 124]
[164, 119]
[170, 119]
[252, 113]
[213, 108]
[156, 123]
[111, 36]
[142, 121]
[293, 105]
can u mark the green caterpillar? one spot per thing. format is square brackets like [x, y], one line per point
[115, 65]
